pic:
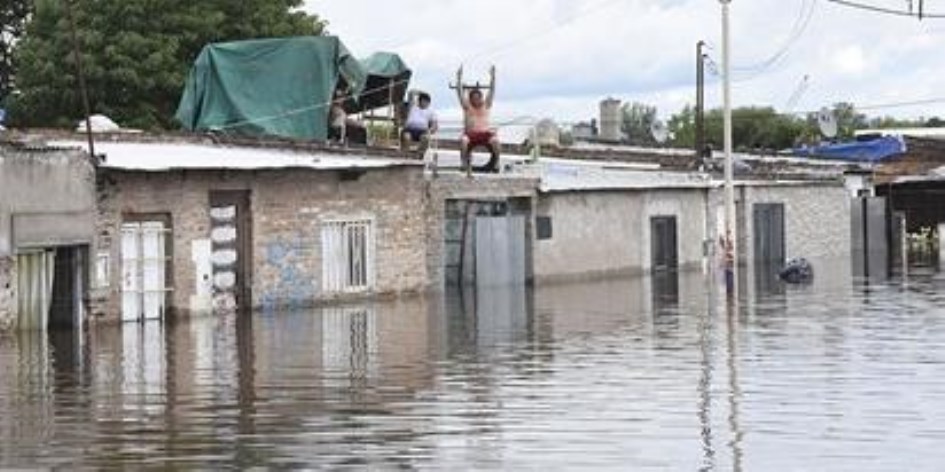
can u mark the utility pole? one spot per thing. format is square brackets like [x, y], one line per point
[83, 90]
[700, 100]
[731, 250]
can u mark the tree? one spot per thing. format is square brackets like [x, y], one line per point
[754, 128]
[13, 15]
[682, 127]
[136, 54]
[848, 120]
[636, 119]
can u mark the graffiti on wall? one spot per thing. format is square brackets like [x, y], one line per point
[294, 281]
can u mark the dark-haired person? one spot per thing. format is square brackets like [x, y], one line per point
[477, 130]
[421, 123]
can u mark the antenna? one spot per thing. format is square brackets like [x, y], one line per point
[659, 132]
[827, 122]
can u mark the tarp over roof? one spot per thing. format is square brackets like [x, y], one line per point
[387, 80]
[281, 87]
[870, 151]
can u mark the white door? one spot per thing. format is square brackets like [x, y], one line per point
[143, 280]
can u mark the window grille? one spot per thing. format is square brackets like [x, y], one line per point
[348, 255]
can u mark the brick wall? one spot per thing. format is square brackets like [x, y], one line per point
[288, 207]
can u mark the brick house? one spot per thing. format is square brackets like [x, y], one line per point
[195, 228]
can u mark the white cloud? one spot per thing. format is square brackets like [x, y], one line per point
[559, 57]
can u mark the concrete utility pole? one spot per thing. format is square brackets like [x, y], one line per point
[700, 100]
[731, 251]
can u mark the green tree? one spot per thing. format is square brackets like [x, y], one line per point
[13, 15]
[136, 53]
[636, 119]
[848, 120]
[754, 128]
[682, 127]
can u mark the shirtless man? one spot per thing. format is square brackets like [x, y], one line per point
[477, 130]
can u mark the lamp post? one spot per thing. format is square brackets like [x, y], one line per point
[731, 266]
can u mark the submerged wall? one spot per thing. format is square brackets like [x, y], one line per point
[47, 199]
[597, 233]
[287, 210]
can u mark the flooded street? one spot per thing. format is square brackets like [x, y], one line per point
[626, 374]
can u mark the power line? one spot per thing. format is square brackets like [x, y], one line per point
[800, 26]
[921, 14]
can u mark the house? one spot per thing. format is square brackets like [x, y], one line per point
[189, 227]
[47, 204]
[602, 219]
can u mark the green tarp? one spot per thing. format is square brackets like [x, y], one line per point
[387, 80]
[280, 87]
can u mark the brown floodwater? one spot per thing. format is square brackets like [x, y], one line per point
[655, 373]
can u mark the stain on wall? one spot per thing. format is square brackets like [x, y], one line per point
[294, 284]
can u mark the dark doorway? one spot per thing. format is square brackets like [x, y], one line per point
[663, 243]
[231, 250]
[69, 282]
[769, 233]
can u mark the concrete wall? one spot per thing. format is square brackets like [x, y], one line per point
[816, 219]
[608, 232]
[458, 187]
[47, 198]
[288, 208]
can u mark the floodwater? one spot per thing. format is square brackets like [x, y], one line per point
[628, 374]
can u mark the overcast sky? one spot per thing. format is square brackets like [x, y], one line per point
[558, 58]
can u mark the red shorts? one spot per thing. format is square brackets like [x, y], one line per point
[479, 138]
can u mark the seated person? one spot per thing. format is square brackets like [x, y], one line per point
[421, 123]
[338, 118]
[477, 130]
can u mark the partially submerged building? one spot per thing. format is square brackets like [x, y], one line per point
[186, 225]
[47, 208]
[195, 228]
[595, 220]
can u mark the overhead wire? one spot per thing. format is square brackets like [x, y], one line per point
[888, 11]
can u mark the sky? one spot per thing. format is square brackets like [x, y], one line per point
[559, 58]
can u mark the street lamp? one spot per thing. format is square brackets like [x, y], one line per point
[731, 265]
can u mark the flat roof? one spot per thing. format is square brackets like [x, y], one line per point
[157, 157]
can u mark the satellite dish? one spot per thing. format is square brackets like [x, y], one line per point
[659, 131]
[827, 123]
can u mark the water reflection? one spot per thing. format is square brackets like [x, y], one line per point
[648, 373]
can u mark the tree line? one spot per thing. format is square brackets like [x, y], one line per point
[755, 127]
[136, 53]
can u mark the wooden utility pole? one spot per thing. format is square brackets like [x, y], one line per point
[83, 90]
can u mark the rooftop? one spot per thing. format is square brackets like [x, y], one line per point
[155, 157]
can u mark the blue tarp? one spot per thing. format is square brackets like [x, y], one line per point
[874, 150]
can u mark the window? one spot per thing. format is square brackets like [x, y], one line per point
[543, 227]
[348, 255]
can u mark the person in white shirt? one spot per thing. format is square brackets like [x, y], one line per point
[421, 123]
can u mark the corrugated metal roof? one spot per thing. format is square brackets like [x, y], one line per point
[156, 157]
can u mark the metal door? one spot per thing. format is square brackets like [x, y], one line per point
[663, 243]
[500, 251]
[769, 233]
[143, 262]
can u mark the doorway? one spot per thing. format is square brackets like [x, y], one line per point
[50, 287]
[664, 254]
[769, 233]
